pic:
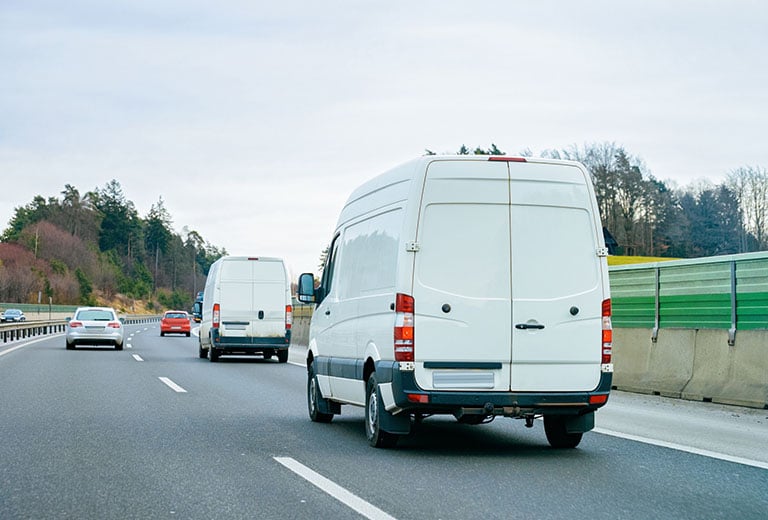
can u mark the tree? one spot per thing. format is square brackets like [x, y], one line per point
[749, 185]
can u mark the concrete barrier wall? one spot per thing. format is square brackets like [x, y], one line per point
[695, 364]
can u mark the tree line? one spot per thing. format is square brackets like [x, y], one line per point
[80, 248]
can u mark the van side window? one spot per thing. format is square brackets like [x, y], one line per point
[330, 266]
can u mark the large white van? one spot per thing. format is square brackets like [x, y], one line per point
[474, 286]
[247, 308]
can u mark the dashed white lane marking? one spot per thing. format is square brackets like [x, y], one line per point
[137, 357]
[339, 493]
[173, 386]
[687, 449]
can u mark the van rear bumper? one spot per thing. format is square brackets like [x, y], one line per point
[409, 398]
[249, 344]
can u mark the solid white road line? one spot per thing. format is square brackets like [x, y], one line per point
[172, 385]
[17, 347]
[687, 449]
[137, 357]
[339, 493]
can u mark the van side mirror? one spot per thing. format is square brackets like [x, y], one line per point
[305, 291]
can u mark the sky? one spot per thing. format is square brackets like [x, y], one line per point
[255, 120]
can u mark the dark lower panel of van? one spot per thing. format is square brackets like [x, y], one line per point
[249, 344]
[411, 398]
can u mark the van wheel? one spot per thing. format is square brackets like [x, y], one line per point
[282, 356]
[213, 354]
[557, 434]
[201, 351]
[377, 437]
[314, 398]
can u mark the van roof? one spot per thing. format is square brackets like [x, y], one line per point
[405, 172]
[254, 257]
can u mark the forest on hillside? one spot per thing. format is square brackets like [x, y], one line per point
[94, 247]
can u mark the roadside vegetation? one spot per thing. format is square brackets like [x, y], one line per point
[94, 248]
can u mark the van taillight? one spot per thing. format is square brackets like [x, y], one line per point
[288, 317]
[404, 340]
[607, 332]
[216, 316]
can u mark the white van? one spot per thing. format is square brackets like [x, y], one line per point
[247, 308]
[474, 286]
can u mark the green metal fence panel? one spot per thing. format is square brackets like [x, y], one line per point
[725, 292]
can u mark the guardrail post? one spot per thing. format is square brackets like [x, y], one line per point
[732, 330]
[657, 288]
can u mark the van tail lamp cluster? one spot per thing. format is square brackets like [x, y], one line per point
[216, 316]
[418, 398]
[598, 399]
[607, 347]
[288, 317]
[404, 338]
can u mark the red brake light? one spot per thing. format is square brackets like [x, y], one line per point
[506, 159]
[75, 324]
[404, 328]
[607, 347]
[114, 325]
[288, 317]
[216, 316]
[598, 399]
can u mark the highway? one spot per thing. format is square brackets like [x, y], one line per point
[155, 432]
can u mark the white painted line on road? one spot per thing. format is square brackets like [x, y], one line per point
[137, 357]
[339, 493]
[173, 386]
[687, 449]
[128, 345]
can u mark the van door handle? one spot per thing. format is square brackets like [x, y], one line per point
[526, 326]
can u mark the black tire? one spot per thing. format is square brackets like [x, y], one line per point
[267, 354]
[377, 437]
[282, 356]
[314, 397]
[118, 346]
[188, 334]
[70, 346]
[162, 334]
[201, 351]
[557, 434]
[213, 354]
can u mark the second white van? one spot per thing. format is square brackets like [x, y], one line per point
[473, 286]
[247, 308]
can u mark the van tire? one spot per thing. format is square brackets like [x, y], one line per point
[557, 434]
[314, 398]
[203, 353]
[282, 356]
[213, 354]
[374, 407]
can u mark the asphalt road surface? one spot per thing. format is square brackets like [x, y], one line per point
[155, 432]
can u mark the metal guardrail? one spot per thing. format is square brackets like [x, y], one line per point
[28, 329]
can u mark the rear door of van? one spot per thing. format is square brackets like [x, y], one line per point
[557, 288]
[506, 251]
[461, 285]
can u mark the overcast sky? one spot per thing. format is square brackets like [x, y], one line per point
[255, 120]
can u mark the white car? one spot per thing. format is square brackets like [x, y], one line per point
[95, 326]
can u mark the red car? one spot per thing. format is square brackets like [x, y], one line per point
[175, 322]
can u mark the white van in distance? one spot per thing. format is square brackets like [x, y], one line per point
[475, 286]
[247, 308]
